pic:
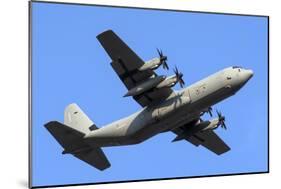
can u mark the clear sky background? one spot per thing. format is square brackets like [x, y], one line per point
[69, 65]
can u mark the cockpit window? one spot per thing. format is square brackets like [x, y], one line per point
[234, 67]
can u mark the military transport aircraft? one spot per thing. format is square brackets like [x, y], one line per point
[164, 109]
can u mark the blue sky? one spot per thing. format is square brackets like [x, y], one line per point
[69, 65]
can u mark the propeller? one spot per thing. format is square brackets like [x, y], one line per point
[209, 110]
[163, 59]
[179, 76]
[221, 120]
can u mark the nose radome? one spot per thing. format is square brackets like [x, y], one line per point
[246, 75]
[249, 73]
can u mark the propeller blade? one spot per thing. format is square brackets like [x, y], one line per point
[221, 120]
[219, 114]
[159, 53]
[179, 76]
[210, 109]
[182, 81]
[224, 126]
[176, 71]
[165, 65]
[181, 84]
[163, 59]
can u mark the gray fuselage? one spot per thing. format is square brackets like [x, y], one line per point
[180, 108]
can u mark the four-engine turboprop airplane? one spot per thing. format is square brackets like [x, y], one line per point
[164, 109]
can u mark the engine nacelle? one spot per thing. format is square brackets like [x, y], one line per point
[151, 64]
[212, 124]
[168, 82]
[145, 86]
[155, 82]
[198, 126]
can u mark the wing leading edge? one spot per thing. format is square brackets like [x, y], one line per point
[126, 64]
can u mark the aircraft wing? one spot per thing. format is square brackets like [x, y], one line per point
[126, 63]
[208, 138]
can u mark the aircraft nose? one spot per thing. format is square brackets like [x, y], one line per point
[247, 74]
[250, 74]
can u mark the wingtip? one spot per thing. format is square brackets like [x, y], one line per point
[105, 167]
[104, 33]
[223, 152]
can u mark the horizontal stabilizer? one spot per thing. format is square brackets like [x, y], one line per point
[67, 137]
[94, 157]
[73, 143]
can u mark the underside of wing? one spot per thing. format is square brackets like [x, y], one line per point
[126, 63]
[210, 140]
[207, 138]
[153, 96]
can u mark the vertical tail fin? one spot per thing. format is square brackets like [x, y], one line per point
[75, 118]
